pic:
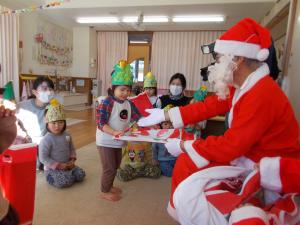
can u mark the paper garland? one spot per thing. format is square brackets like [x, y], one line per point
[34, 8]
[53, 55]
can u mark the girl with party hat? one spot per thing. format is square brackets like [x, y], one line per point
[114, 116]
[150, 87]
[137, 156]
[56, 149]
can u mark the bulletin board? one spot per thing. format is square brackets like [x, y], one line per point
[54, 45]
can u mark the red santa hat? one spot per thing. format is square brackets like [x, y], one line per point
[247, 38]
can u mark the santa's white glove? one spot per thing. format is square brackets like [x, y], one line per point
[173, 146]
[156, 116]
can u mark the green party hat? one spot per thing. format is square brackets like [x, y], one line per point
[150, 81]
[122, 74]
[9, 91]
[201, 93]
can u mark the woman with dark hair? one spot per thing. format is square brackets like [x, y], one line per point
[175, 96]
[30, 113]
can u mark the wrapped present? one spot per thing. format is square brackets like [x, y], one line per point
[156, 136]
[17, 179]
[142, 102]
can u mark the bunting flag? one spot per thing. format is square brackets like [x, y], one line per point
[34, 8]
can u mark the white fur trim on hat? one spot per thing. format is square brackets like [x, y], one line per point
[270, 173]
[238, 48]
[248, 212]
[263, 54]
[194, 155]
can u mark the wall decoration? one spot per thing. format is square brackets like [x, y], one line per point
[80, 83]
[54, 45]
[34, 8]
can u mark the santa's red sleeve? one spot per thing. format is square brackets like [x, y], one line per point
[197, 112]
[249, 113]
[280, 174]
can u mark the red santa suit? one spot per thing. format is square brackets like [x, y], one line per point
[281, 175]
[213, 197]
[261, 119]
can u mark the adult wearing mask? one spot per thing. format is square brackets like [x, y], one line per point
[30, 113]
[261, 119]
[175, 96]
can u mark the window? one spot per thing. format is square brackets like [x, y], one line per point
[138, 70]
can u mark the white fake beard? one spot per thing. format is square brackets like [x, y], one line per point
[221, 75]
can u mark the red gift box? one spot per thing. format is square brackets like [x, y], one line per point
[142, 102]
[17, 179]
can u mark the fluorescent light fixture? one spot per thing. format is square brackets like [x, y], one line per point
[139, 42]
[189, 19]
[155, 19]
[97, 20]
[130, 19]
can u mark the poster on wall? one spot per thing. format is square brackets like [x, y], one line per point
[54, 45]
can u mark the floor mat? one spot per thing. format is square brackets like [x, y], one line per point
[144, 200]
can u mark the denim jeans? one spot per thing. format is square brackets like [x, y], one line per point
[167, 167]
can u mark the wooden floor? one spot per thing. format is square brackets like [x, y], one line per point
[85, 132]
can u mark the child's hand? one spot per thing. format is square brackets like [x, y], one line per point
[117, 133]
[71, 164]
[155, 127]
[62, 166]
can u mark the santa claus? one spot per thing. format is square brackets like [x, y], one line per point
[261, 120]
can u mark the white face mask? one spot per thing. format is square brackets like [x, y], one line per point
[45, 96]
[175, 90]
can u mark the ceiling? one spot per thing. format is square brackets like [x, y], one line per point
[234, 10]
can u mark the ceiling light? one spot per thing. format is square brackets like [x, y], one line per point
[155, 19]
[188, 19]
[130, 19]
[97, 20]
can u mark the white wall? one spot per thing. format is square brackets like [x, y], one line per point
[294, 67]
[93, 52]
[81, 40]
[30, 25]
[84, 51]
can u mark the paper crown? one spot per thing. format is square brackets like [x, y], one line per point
[200, 94]
[247, 38]
[55, 111]
[150, 81]
[122, 74]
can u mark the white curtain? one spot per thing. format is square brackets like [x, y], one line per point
[112, 47]
[9, 44]
[174, 52]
